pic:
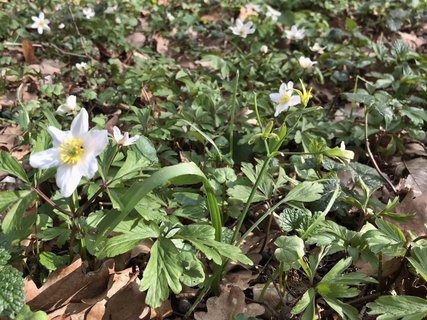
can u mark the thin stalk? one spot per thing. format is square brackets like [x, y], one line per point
[371, 156]
[267, 148]
[50, 202]
[233, 115]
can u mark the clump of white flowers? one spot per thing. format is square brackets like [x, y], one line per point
[285, 98]
[123, 139]
[89, 13]
[306, 63]
[110, 9]
[40, 23]
[69, 106]
[241, 29]
[82, 66]
[74, 152]
[294, 33]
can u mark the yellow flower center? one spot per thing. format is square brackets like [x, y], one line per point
[71, 150]
[41, 23]
[284, 98]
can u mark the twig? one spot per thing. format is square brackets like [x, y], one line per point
[365, 298]
[81, 38]
[49, 201]
[51, 45]
[371, 156]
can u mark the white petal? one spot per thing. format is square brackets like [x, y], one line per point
[80, 124]
[67, 179]
[58, 136]
[132, 140]
[280, 108]
[275, 97]
[290, 85]
[117, 134]
[294, 101]
[35, 25]
[283, 88]
[40, 30]
[95, 141]
[239, 23]
[41, 16]
[45, 159]
[88, 166]
[35, 19]
[72, 101]
[64, 108]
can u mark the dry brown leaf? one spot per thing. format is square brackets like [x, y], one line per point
[72, 285]
[8, 100]
[240, 278]
[211, 17]
[230, 302]
[165, 310]
[28, 51]
[417, 177]
[246, 12]
[162, 44]
[137, 39]
[412, 40]
[417, 205]
[9, 136]
[390, 265]
[48, 67]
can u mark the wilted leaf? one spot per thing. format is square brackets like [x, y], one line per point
[230, 302]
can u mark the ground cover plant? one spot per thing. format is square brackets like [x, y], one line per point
[213, 159]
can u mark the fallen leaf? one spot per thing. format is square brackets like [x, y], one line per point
[48, 66]
[412, 40]
[417, 205]
[230, 302]
[9, 136]
[246, 12]
[137, 39]
[165, 310]
[417, 177]
[162, 44]
[240, 278]
[28, 51]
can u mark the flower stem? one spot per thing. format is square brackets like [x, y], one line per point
[233, 115]
[50, 202]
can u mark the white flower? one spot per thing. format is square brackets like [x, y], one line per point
[61, 26]
[118, 20]
[69, 106]
[294, 33]
[263, 49]
[40, 23]
[253, 7]
[74, 152]
[123, 140]
[273, 13]
[317, 48]
[170, 16]
[110, 10]
[305, 62]
[241, 29]
[284, 99]
[82, 66]
[89, 13]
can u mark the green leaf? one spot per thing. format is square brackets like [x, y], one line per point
[130, 167]
[418, 259]
[292, 218]
[146, 149]
[27, 314]
[203, 238]
[11, 287]
[290, 250]
[345, 310]
[9, 165]
[398, 307]
[128, 240]
[14, 218]
[192, 269]
[241, 192]
[162, 272]
[51, 261]
[387, 239]
[7, 197]
[306, 191]
[187, 173]
[304, 302]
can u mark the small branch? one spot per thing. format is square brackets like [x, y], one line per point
[49, 201]
[371, 156]
[365, 299]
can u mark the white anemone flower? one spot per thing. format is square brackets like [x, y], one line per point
[69, 106]
[82, 66]
[317, 48]
[89, 13]
[284, 98]
[305, 62]
[110, 9]
[241, 29]
[74, 152]
[264, 49]
[40, 23]
[253, 7]
[294, 33]
[123, 140]
[273, 13]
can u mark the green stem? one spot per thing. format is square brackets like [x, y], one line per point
[233, 115]
[267, 148]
